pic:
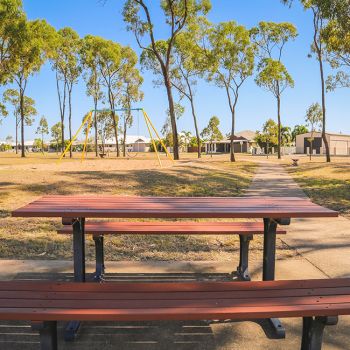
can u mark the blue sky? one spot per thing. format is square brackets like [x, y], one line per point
[255, 104]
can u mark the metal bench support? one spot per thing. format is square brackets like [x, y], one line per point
[313, 328]
[79, 269]
[48, 334]
[242, 269]
[100, 264]
[269, 262]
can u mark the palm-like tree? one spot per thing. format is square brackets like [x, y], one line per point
[286, 135]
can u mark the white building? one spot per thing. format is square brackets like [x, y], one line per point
[339, 144]
[28, 145]
[134, 143]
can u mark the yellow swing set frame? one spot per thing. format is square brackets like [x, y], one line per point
[88, 120]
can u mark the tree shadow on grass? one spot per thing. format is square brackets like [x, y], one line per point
[188, 182]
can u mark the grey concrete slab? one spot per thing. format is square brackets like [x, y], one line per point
[272, 180]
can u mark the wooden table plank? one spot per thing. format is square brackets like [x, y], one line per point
[172, 207]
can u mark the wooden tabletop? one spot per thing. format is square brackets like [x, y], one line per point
[172, 207]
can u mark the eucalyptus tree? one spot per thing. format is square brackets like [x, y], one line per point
[112, 61]
[313, 119]
[12, 18]
[129, 93]
[33, 46]
[187, 67]
[271, 39]
[231, 63]
[42, 129]
[92, 76]
[322, 11]
[269, 135]
[336, 36]
[56, 134]
[105, 127]
[177, 14]
[12, 96]
[66, 63]
[212, 132]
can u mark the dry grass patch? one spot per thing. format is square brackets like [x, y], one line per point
[36, 238]
[327, 184]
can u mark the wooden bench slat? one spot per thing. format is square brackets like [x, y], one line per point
[151, 287]
[107, 227]
[115, 303]
[158, 305]
[108, 295]
[217, 313]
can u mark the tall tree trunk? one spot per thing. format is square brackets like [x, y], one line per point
[318, 26]
[124, 138]
[194, 119]
[197, 131]
[172, 116]
[232, 150]
[42, 142]
[324, 136]
[62, 105]
[70, 117]
[22, 122]
[115, 124]
[95, 126]
[310, 147]
[279, 126]
[16, 134]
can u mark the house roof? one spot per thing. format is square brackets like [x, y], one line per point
[327, 133]
[247, 134]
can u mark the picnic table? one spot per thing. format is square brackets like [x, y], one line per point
[273, 211]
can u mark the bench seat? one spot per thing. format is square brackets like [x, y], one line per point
[170, 228]
[245, 230]
[317, 301]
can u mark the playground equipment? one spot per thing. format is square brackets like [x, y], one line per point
[88, 120]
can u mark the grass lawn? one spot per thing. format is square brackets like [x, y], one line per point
[326, 184]
[22, 181]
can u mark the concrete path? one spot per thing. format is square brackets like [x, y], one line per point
[325, 243]
[272, 180]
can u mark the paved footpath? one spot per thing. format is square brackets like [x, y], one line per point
[325, 243]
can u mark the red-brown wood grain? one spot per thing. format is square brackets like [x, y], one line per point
[170, 228]
[172, 207]
[34, 301]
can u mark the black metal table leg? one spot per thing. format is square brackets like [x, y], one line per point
[313, 328]
[99, 254]
[48, 334]
[269, 262]
[79, 269]
[243, 267]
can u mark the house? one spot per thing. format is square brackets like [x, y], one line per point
[28, 145]
[339, 144]
[244, 142]
[134, 143]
